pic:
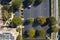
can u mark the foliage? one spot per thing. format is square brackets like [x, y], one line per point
[41, 20]
[18, 29]
[54, 29]
[19, 37]
[41, 32]
[31, 32]
[16, 3]
[52, 20]
[17, 20]
[6, 7]
[30, 1]
[39, 1]
[30, 20]
[5, 15]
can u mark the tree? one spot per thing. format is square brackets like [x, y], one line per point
[17, 20]
[39, 1]
[54, 29]
[30, 1]
[5, 15]
[16, 3]
[31, 32]
[6, 7]
[41, 20]
[18, 29]
[52, 20]
[41, 32]
[19, 37]
[30, 20]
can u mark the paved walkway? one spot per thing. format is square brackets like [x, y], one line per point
[1, 22]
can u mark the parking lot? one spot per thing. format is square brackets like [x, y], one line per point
[40, 10]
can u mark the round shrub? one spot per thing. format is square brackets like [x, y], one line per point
[30, 20]
[54, 29]
[17, 20]
[52, 20]
[41, 32]
[31, 32]
[41, 20]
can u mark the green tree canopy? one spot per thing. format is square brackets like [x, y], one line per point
[16, 3]
[30, 20]
[18, 29]
[5, 15]
[54, 29]
[31, 32]
[6, 7]
[30, 1]
[41, 32]
[41, 20]
[52, 20]
[19, 37]
[17, 20]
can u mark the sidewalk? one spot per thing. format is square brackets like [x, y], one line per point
[1, 21]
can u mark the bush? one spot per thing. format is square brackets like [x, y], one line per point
[5, 15]
[17, 20]
[19, 37]
[41, 32]
[41, 20]
[16, 3]
[31, 32]
[30, 20]
[18, 29]
[52, 20]
[30, 1]
[54, 29]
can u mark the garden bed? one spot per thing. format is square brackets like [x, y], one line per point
[33, 39]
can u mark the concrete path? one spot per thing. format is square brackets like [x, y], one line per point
[1, 21]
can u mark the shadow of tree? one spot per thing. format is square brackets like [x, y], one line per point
[10, 9]
[36, 3]
[36, 34]
[26, 4]
[25, 34]
[26, 23]
[49, 31]
[12, 25]
[35, 23]
[3, 2]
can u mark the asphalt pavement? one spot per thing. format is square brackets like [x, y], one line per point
[40, 10]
